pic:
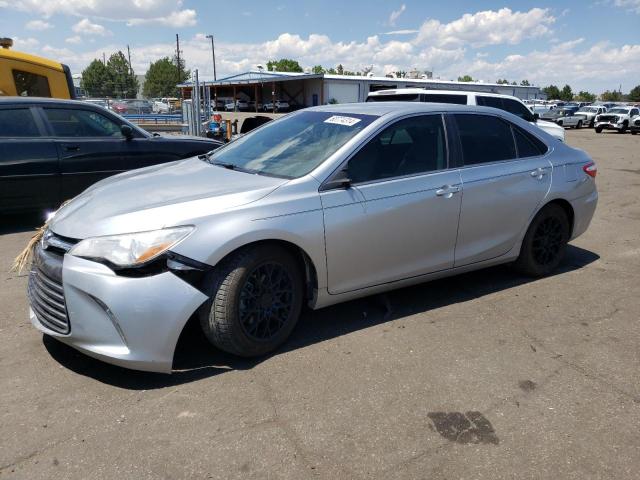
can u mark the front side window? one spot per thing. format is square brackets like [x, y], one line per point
[292, 146]
[30, 84]
[81, 123]
[17, 122]
[484, 139]
[493, 102]
[411, 146]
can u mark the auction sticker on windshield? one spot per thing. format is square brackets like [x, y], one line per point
[340, 120]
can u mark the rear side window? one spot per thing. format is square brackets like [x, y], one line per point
[31, 85]
[81, 123]
[493, 102]
[518, 109]
[484, 139]
[17, 122]
[405, 97]
[444, 98]
[528, 145]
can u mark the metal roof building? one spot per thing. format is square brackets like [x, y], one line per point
[306, 89]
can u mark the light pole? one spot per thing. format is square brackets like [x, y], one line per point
[213, 53]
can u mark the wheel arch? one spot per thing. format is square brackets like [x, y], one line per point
[568, 209]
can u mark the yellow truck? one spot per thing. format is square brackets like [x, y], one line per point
[22, 74]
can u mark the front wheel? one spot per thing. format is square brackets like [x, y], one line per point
[255, 301]
[624, 128]
[545, 242]
[579, 124]
[598, 129]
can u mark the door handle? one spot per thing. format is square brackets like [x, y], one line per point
[447, 191]
[538, 173]
[71, 148]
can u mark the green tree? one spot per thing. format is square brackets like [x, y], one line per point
[332, 71]
[95, 80]
[566, 93]
[401, 74]
[525, 83]
[613, 96]
[502, 81]
[552, 92]
[340, 69]
[634, 94]
[318, 69]
[466, 78]
[284, 65]
[584, 96]
[161, 79]
[122, 81]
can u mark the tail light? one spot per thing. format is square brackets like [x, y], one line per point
[590, 169]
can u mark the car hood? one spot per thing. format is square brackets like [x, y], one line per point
[159, 196]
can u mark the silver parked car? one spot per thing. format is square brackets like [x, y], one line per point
[321, 206]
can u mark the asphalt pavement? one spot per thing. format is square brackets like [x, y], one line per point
[488, 375]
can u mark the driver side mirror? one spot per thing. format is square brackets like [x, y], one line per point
[340, 180]
[127, 131]
[536, 117]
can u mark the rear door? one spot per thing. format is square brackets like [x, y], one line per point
[505, 176]
[29, 169]
[90, 146]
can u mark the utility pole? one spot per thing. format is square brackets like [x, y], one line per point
[213, 53]
[129, 56]
[178, 56]
[104, 58]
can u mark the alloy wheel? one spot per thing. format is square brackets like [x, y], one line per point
[547, 241]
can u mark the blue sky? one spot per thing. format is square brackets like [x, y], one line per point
[590, 44]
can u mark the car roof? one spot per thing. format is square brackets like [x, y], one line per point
[405, 91]
[39, 101]
[399, 108]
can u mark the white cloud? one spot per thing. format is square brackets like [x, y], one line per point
[25, 44]
[85, 27]
[487, 28]
[401, 32]
[38, 25]
[396, 14]
[164, 12]
[181, 18]
[75, 39]
[631, 5]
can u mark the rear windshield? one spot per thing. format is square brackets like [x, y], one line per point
[293, 145]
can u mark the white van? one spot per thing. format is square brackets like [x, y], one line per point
[463, 97]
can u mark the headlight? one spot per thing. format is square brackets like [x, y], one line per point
[131, 249]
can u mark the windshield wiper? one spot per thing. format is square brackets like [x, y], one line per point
[228, 166]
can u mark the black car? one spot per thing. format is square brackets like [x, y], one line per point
[51, 150]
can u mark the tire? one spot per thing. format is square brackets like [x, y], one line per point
[625, 125]
[545, 242]
[592, 124]
[634, 132]
[239, 318]
[598, 129]
[579, 124]
[560, 123]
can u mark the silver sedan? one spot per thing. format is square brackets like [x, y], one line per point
[322, 206]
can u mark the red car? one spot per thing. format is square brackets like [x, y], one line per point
[118, 107]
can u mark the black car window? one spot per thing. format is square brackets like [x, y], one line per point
[444, 98]
[493, 102]
[527, 144]
[30, 84]
[81, 123]
[518, 109]
[405, 97]
[634, 112]
[484, 139]
[17, 122]
[408, 147]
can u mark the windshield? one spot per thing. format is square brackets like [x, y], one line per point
[292, 146]
[618, 110]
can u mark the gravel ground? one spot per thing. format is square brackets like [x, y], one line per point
[487, 375]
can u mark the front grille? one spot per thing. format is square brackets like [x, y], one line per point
[45, 291]
[608, 118]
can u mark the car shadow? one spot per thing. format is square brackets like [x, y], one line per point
[196, 359]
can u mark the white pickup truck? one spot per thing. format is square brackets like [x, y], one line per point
[616, 118]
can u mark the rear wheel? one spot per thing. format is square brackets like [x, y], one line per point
[545, 242]
[579, 124]
[255, 301]
[598, 129]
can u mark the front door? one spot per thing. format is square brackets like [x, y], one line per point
[504, 182]
[400, 216]
[90, 146]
